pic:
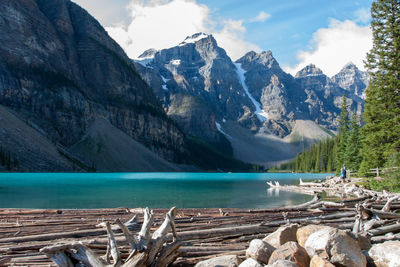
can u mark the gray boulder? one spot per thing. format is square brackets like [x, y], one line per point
[250, 263]
[337, 246]
[282, 263]
[282, 235]
[223, 261]
[259, 251]
[386, 254]
[317, 261]
[293, 252]
[304, 232]
[364, 242]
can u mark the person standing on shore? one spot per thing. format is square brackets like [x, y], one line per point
[343, 174]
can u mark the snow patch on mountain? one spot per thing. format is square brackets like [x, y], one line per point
[194, 38]
[148, 54]
[260, 113]
[165, 80]
[146, 58]
[312, 75]
[144, 62]
[175, 62]
[219, 127]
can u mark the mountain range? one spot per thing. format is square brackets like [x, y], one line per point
[265, 113]
[71, 99]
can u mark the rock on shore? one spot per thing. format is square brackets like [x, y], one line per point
[314, 246]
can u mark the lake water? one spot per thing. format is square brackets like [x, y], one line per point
[154, 190]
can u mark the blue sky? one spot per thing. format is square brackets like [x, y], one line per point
[291, 24]
[328, 33]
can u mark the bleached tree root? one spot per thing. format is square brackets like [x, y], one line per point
[145, 249]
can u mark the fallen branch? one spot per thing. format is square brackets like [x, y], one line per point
[380, 239]
[4, 260]
[309, 183]
[389, 202]
[394, 228]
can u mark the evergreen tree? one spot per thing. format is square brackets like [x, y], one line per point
[297, 162]
[381, 132]
[353, 145]
[318, 160]
[343, 133]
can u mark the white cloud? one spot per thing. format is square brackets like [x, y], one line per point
[262, 16]
[165, 23]
[231, 38]
[335, 46]
[159, 25]
[362, 15]
[108, 12]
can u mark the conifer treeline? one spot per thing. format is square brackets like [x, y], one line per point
[331, 154]
[319, 158]
[8, 160]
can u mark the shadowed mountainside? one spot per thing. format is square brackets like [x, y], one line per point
[59, 70]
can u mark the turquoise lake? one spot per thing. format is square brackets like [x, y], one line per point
[154, 190]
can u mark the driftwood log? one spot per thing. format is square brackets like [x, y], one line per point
[145, 249]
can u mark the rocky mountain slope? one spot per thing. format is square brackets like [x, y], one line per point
[204, 92]
[34, 151]
[324, 96]
[59, 71]
[352, 80]
[275, 90]
[198, 85]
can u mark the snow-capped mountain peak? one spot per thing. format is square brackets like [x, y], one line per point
[194, 38]
[352, 79]
[350, 65]
[309, 70]
[146, 57]
[148, 54]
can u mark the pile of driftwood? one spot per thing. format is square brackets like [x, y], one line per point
[181, 237]
[144, 249]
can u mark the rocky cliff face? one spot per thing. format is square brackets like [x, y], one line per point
[320, 95]
[276, 90]
[310, 95]
[198, 85]
[59, 69]
[324, 96]
[352, 80]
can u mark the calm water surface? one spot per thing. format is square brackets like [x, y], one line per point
[155, 190]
